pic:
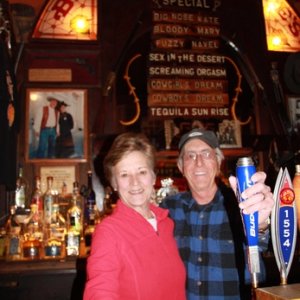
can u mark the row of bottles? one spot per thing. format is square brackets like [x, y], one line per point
[56, 227]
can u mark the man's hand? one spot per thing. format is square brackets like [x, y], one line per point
[258, 197]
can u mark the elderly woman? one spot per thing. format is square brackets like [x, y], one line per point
[133, 253]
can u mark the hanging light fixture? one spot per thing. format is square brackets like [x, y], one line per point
[282, 26]
[68, 19]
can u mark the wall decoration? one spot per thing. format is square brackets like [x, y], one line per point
[56, 125]
[187, 74]
[68, 20]
[282, 26]
[229, 134]
[62, 174]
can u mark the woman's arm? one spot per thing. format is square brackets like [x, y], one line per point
[103, 266]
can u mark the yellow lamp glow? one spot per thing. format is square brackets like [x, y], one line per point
[79, 24]
[276, 41]
[271, 8]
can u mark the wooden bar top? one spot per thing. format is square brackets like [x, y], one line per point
[281, 292]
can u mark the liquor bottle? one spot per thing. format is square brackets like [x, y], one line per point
[33, 234]
[75, 223]
[91, 211]
[296, 184]
[37, 196]
[55, 235]
[50, 198]
[75, 216]
[64, 199]
[90, 199]
[14, 237]
[21, 190]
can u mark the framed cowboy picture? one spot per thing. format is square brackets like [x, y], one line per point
[56, 125]
[229, 134]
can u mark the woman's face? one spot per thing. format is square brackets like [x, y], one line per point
[133, 178]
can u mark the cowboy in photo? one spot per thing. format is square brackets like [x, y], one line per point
[45, 127]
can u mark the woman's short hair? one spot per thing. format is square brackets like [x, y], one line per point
[124, 144]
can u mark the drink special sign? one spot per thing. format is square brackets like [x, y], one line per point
[187, 75]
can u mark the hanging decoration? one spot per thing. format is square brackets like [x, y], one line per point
[68, 20]
[238, 90]
[282, 26]
[10, 107]
[9, 103]
[132, 92]
[6, 36]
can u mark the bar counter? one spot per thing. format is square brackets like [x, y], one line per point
[64, 280]
[42, 279]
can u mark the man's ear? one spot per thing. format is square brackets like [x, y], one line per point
[179, 165]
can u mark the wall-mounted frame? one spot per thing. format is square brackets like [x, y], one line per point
[59, 134]
[294, 112]
[62, 174]
[229, 134]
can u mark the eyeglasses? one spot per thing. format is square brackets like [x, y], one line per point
[206, 154]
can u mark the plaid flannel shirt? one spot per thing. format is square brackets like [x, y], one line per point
[211, 243]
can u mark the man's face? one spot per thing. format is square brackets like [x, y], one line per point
[53, 103]
[199, 165]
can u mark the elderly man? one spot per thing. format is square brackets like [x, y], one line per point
[208, 224]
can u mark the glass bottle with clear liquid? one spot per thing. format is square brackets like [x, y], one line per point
[64, 200]
[33, 234]
[74, 223]
[21, 190]
[37, 196]
[50, 197]
[55, 233]
[74, 215]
